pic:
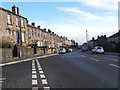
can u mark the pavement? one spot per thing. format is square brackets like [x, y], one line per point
[64, 71]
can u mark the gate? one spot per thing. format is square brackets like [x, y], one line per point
[15, 51]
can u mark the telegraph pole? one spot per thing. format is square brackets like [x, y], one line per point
[86, 36]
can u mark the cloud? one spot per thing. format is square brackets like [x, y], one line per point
[76, 11]
[87, 18]
[102, 4]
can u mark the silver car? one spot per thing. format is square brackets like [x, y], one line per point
[62, 51]
[98, 49]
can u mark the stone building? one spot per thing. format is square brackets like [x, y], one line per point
[13, 27]
[16, 30]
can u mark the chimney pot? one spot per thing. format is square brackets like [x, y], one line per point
[33, 24]
[38, 26]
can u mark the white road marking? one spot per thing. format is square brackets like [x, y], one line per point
[39, 69]
[46, 88]
[94, 59]
[34, 88]
[44, 81]
[114, 65]
[110, 59]
[33, 69]
[2, 80]
[42, 76]
[34, 82]
[39, 66]
[34, 76]
[82, 56]
[41, 72]
[33, 72]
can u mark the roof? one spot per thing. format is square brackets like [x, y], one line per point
[11, 12]
[115, 35]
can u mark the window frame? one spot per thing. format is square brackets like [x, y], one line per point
[9, 32]
[9, 20]
[17, 21]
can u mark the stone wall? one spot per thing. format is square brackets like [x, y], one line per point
[7, 53]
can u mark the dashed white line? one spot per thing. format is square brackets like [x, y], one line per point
[33, 72]
[42, 76]
[46, 88]
[41, 72]
[34, 88]
[39, 68]
[110, 59]
[82, 56]
[114, 65]
[94, 59]
[44, 81]
[34, 82]
[33, 69]
[34, 76]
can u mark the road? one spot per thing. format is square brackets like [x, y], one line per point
[71, 70]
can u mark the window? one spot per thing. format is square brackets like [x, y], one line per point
[9, 19]
[23, 36]
[9, 32]
[30, 33]
[17, 21]
[22, 23]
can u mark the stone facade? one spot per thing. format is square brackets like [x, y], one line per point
[11, 27]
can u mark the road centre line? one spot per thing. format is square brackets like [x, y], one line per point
[34, 76]
[15, 62]
[44, 81]
[114, 65]
[2, 80]
[34, 88]
[46, 88]
[110, 59]
[82, 56]
[42, 76]
[94, 59]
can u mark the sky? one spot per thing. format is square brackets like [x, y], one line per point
[72, 19]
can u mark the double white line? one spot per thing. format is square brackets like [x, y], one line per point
[42, 76]
[2, 80]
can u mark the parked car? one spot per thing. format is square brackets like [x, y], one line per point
[98, 49]
[69, 50]
[62, 51]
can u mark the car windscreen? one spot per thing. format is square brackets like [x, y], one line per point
[99, 48]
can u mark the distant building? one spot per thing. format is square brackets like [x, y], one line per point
[114, 38]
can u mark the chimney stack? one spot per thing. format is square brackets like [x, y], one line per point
[15, 10]
[33, 24]
[38, 26]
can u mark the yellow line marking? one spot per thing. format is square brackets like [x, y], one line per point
[26, 60]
